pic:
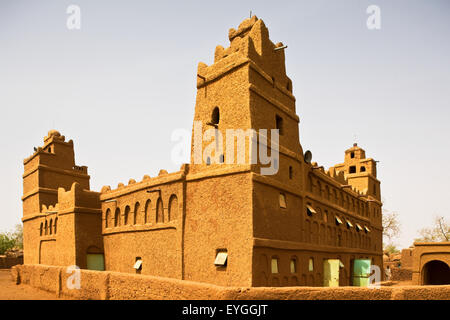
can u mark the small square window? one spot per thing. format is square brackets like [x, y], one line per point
[221, 259]
[352, 169]
[274, 265]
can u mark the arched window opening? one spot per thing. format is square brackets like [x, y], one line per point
[173, 208]
[215, 116]
[274, 265]
[46, 228]
[363, 169]
[41, 229]
[136, 212]
[147, 215]
[159, 211]
[117, 218]
[50, 228]
[293, 265]
[279, 124]
[107, 217]
[126, 214]
[54, 227]
[311, 264]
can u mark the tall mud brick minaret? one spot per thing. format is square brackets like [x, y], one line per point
[50, 214]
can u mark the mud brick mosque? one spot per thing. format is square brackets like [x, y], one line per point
[219, 223]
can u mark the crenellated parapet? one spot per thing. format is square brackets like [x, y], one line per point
[250, 43]
[163, 178]
[77, 197]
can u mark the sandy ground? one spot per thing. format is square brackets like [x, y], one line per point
[11, 291]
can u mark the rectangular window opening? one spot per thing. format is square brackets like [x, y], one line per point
[138, 265]
[283, 201]
[310, 210]
[279, 124]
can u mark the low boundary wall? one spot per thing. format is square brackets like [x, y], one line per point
[7, 262]
[107, 285]
[401, 274]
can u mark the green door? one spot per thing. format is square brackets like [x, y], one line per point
[95, 261]
[361, 272]
[331, 273]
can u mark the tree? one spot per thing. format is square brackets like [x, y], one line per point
[439, 232]
[18, 236]
[391, 226]
[11, 240]
[6, 242]
[391, 249]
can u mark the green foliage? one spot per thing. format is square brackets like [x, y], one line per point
[7, 242]
[11, 240]
[18, 236]
[391, 249]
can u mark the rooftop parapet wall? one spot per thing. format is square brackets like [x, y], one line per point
[339, 179]
[77, 197]
[163, 177]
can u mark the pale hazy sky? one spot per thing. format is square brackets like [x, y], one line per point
[123, 83]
